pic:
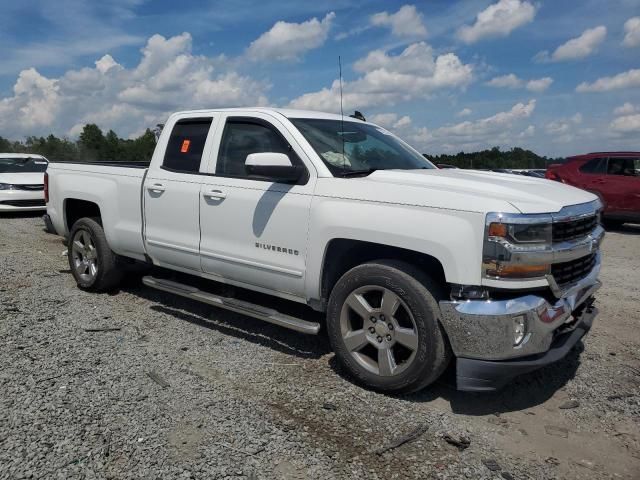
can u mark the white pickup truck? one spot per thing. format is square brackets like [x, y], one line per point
[413, 266]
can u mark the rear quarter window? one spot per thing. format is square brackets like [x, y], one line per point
[186, 144]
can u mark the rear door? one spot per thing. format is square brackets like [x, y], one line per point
[254, 230]
[623, 184]
[172, 193]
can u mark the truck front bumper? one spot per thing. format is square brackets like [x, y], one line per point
[484, 333]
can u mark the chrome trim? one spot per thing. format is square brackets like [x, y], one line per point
[484, 328]
[545, 253]
[558, 252]
[566, 214]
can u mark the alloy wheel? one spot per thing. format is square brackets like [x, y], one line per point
[379, 330]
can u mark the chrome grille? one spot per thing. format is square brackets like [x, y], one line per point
[569, 272]
[573, 229]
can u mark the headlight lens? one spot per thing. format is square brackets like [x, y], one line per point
[509, 241]
[6, 186]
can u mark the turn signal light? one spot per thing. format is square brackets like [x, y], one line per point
[518, 271]
[498, 230]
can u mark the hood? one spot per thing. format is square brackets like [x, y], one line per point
[27, 178]
[468, 190]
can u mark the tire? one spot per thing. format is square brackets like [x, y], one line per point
[612, 224]
[93, 265]
[413, 362]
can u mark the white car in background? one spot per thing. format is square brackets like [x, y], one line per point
[22, 182]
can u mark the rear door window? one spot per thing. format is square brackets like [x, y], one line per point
[628, 167]
[595, 166]
[186, 144]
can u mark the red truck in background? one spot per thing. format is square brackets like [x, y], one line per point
[613, 176]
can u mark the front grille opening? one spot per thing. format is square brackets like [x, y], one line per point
[24, 203]
[573, 229]
[570, 272]
[35, 186]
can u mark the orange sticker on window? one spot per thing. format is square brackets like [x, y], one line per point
[185, 146]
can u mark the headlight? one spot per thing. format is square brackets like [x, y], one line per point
[511, 242]
[6, 186]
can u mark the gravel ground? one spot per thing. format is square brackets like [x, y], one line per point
[182, 390]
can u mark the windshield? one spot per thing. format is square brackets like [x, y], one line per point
[366, 147]
[22, 165]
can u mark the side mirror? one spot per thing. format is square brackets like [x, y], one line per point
[271, 165]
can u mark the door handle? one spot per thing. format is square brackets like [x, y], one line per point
[215, 194]
[156, 188]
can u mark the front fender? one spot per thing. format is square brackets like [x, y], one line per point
[453, 237]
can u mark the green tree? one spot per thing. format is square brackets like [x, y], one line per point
[92, 144]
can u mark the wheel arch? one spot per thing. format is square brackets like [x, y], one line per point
[75, 209]
[342, 254]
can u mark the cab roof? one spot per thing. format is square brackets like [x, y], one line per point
[21, 155]
[285, 112]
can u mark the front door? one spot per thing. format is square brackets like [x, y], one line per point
[254, 231]
[172, 195]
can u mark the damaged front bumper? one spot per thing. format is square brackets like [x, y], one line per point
[486, 335]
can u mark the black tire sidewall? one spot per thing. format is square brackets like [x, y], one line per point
[431, 356]
[106, 277]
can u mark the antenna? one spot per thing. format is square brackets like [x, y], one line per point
[344, 168]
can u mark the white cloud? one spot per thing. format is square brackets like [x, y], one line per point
[627, 120]
[289, 41]
[388, 79]
[528, 132]
[576, 48]
[484, 128]
[465, 112]
[557, 127]
[498, 129]
[167, 78]
[577, 118]
[406, 22]
[628, 79]
[498, 20]
[626, 108]
[632, 32]
[626, 124]
[391, 120]
[505, 81]
[513, 82]
[35, 103]
[540, 84]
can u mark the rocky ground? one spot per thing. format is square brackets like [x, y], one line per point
[141, 384]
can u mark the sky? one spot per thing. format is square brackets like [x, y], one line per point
[556, 77]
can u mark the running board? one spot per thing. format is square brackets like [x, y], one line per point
[235, 305]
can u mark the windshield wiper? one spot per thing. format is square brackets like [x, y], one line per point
[354, 173]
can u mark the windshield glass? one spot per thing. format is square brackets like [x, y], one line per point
[22, 165]
[365, 146]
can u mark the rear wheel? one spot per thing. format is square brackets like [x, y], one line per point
[383, 326]
[92, 263]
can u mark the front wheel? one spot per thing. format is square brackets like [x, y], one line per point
[383, 326]
[92, 263]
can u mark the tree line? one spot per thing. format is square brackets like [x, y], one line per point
[93, 145]
[495, 158]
